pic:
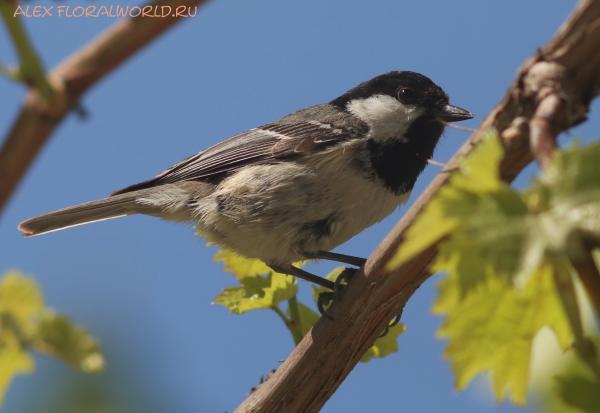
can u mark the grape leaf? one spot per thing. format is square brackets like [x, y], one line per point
[241, 267]
[481, 218]
[13, 360]
[25, 324]
[565, 201]
[580, 393]
[20, 302]
[21, 298]
[58, 336]
[258, 292]
[492, 327]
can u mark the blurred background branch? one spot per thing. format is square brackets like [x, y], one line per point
[70, 80]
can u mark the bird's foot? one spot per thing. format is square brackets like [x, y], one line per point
[325, 298]
[394, 322]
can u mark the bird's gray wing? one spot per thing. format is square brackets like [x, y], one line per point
[290, 136]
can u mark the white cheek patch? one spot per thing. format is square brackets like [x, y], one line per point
[387, 116]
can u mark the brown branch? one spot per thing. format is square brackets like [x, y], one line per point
[70, 80]
[568, 66]
[542, 134]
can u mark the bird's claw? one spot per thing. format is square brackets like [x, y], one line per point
[325, 298]
[394, 322]
[345, 276]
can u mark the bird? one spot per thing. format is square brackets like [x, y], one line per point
[298, 187]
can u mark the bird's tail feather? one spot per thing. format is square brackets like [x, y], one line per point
[101, 209]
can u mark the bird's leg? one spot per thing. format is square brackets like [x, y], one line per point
[325, 297]
[346, 275]
[334, 256]
[305, 275]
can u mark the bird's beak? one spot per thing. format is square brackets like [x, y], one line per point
[451, 113]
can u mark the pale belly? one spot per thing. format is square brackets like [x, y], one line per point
[276, 212]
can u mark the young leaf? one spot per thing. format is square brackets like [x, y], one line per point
[239, 266]
[25, 324]
[13, 360]
[258, 292]
[491, 327]
[474, 201]
[58, 336]
[22, 299]
[565, 201]
[579, 392]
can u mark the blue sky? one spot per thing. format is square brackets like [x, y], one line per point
[143, 286]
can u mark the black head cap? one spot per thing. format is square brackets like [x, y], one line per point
[410, 88]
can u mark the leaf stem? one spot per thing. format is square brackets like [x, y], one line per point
[585, 347]
[296, 327]
[590, 277]
[281, 314]
[293, 323]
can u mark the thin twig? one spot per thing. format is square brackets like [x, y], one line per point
[31, 70]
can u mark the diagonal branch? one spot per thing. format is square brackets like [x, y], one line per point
[569, 66]
[70, 80]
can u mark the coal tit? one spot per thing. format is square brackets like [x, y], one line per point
[296, 188]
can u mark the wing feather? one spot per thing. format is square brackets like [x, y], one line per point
[289, 137]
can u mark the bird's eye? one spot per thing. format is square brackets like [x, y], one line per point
[407, 95]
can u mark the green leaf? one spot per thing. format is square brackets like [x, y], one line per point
[492, 327]
[258, 292]
[480, 215]
[384, 346]
[241, 267]
[566, 202]
[579, 392]
[57, 336]
[13, 360]
[21, 298]
[25, 324]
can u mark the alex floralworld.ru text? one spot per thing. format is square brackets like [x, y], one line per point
[107, 11]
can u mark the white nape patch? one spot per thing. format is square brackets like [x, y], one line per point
[387, 116]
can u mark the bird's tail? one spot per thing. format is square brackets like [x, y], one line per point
[101, 209]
